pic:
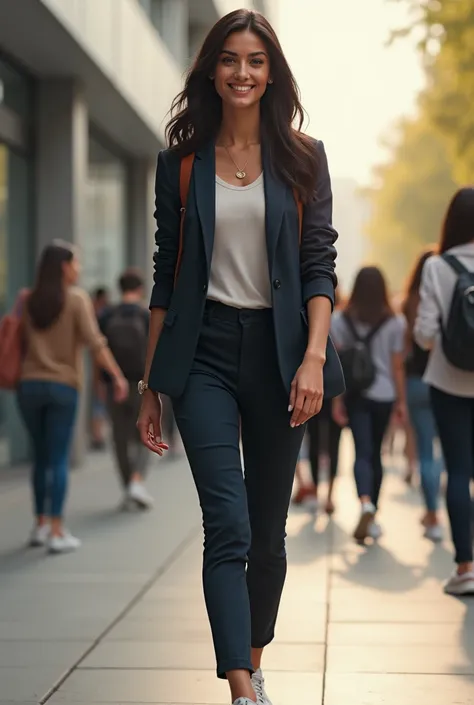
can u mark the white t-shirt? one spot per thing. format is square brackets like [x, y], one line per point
[239, 268]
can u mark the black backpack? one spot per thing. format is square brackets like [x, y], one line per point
[127, 335]
[458, 333]
[356, 360]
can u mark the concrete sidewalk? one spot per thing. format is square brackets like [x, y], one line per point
[123, 620]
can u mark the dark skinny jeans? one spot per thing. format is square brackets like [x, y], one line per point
[455, 421]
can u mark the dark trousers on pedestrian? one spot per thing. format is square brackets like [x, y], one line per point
[235, 384]
[324, 435]
[455, 421]
[368, 421]
[49, 413]
[130, 454]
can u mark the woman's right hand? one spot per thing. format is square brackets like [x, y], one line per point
[149, 423]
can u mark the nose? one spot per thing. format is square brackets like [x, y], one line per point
[241, 71]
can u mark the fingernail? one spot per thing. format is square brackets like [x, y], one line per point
[292, 424]
[290, 408]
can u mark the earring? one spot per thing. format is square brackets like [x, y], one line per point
[270, 82]
[211, 78]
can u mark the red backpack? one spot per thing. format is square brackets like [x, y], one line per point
[12, 344]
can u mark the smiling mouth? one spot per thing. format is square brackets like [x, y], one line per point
[240, 89]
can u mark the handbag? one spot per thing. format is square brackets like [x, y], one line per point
[12, 344]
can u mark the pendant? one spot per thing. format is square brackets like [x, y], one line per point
[240, 174]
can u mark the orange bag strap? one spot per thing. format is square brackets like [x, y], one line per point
[299, 205]
[185, 172]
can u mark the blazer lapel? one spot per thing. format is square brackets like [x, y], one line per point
[275, 201]
[205, 190]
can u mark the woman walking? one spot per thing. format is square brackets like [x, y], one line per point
[58, 322]
[419, 406]
[371, 338]
[452, 386]
[239, 323]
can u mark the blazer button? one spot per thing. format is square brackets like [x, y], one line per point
[276, 283]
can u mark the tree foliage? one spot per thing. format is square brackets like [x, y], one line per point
[433, 153]
[409, 197]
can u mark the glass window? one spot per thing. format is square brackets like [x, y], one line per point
[16, 263]
[14, 90]
[104, 251]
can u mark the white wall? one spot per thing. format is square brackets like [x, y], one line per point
[121, 41]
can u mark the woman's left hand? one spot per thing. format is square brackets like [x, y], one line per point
[307, 390]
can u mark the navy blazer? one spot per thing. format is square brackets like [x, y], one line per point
[297, 273]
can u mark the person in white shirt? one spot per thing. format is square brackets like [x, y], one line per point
[452, 388]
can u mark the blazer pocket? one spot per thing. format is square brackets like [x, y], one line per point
[170, 318]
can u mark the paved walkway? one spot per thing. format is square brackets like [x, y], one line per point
[123, 620]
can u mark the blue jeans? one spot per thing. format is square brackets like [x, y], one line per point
[455, 421]
[368, 421]
[424, 426]
[49, 411]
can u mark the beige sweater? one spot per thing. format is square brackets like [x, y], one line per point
[55, 354]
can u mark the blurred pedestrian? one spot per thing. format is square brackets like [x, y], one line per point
[59, 321]
[445, 326]
[233, 301]
[100, 301]
[419, 406]
[370, 338]
[323, 436]
[126, 328]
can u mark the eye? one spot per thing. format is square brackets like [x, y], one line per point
[257, 62]
[227, 60]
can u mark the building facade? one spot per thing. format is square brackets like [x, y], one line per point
[85, 86]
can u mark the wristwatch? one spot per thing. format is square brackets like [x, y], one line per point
[142, 387]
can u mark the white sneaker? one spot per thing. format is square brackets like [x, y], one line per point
[258, 683]
[434, 533]
[366, 519]
[460, 584]
[375, 531]
[39, 535]
[139, 493]
[244, 701]
[63, 544]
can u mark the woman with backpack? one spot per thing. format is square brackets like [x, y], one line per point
[419, 405]
[445, 326]
[240, 315]
[370, 339]
[58, 322]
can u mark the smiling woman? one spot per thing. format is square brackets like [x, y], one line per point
[244, 286]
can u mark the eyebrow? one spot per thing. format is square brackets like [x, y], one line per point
[252, 53]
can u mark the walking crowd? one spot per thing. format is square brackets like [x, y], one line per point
[260, 360]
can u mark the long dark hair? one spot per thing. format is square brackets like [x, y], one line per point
[458, 227]
[412, 291]
[369, 302]
[46, 300]
[197, 110]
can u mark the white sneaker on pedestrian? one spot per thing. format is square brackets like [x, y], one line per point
[258, 683]
[434, 533]
[375, 531]
[366, 518]
[66, 543]
[460, 584]
[139, 493]
[39, 535]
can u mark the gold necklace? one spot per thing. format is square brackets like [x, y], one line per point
[240, 173]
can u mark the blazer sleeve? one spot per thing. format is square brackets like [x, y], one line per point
[167, 216]
[317, 252]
